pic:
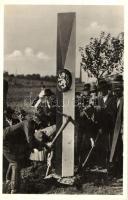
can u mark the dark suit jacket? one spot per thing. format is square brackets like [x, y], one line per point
[18, 140]
[106, 112]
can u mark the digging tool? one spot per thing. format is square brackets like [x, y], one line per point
[89, 153]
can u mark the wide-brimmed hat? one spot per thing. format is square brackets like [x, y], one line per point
[103, 85]
[117, 83]
[118, 78]
[93, 88]
[87, 87]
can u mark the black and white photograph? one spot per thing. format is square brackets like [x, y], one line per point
[63, 99]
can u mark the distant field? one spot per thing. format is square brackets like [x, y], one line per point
[22, 93]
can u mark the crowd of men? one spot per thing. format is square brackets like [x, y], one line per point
[98, 115]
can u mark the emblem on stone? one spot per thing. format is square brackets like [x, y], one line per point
[64, 80]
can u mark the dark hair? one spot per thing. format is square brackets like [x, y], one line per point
[9, 112]
[48, 92]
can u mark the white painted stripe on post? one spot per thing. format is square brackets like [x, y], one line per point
[68, 109]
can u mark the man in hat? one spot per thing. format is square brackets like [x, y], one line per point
[93, 95]
[116, 154]
[105, 116]
[37, 100]
[86, 94]
[86, 127]
[47, 108]
[10, 117]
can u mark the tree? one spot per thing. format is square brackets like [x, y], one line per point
[103, 55]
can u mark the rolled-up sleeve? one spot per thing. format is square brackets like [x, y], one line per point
[49, 131]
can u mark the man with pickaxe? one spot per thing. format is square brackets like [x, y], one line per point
[49, 132]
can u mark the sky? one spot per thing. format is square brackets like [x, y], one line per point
[30, 34]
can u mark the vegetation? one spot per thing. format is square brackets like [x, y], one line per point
[103, 55]
[31, 77]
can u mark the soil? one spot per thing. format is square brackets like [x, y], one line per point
[90, 182]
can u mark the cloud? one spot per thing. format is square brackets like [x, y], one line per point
[29, 62]
[42, 56]
[15, 54]
[28, 53]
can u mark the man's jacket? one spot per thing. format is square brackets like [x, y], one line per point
[18, 139]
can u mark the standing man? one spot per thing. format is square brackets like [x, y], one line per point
[116, 154]
[105, 116]
[18, 141]
[46, 111]
[85, 133]
[85, 95]
[22, 142]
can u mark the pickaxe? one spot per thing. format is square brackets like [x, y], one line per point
[50, 144]
[89, 153]
[68, 119]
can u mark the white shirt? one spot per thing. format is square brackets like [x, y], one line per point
[41, 94]
[40, 97]
[105, 98]
[118, 103]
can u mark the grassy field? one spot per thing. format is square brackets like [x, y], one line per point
[22, 93]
